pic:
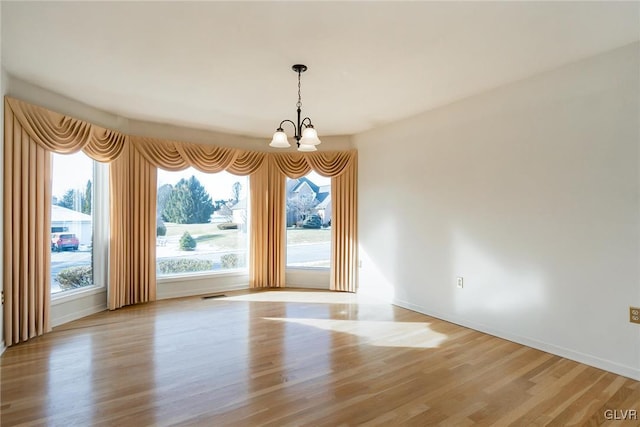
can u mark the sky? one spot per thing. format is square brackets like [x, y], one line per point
[70, 171]
[219, 184]
[79, 168]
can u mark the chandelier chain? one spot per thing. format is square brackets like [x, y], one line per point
[299, 104]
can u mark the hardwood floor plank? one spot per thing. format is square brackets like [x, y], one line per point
[286, 358]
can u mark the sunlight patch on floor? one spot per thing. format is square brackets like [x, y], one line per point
[305, 297]
[378, 333]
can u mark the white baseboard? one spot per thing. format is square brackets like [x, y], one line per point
[170, 289]
[77, 315]
[76, 305]
[587, 359]
[194, 292]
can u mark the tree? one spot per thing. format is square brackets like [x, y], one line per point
[86, 199]
[301, 204]
[188, 203]
[164, 191]
[71, 200]
[78, 200]
[187, 243]
[235, 190]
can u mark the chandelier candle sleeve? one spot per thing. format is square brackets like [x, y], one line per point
[304, 132]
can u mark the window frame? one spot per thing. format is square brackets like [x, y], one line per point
[286, 231]
[100, 237]
[220, 273]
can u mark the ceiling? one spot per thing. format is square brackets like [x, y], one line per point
[226, 66]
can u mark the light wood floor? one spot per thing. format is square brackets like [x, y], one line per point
[282, 358]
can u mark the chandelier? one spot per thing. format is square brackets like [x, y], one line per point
[307, 137]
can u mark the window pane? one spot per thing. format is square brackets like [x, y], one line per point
[71, 222]
[202, 222]
[309, 221]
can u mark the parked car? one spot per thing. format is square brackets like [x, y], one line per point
[62, 241]
[312, 221]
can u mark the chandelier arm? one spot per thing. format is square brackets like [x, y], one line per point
[293, 124]
[306, 119]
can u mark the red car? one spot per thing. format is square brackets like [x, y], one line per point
[62, 241]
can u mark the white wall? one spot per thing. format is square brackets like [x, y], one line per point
[530, 192]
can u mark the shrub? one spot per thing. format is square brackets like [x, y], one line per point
[187, 243]
[75, 277]
[161, 230]
[229, 261]
[182, 265]
[228, 226]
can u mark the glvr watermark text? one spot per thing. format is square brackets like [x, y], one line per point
[621, 414]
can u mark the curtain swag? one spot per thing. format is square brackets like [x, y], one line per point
[325, 163]
[175, 156]
[65, 135]
[31, 133]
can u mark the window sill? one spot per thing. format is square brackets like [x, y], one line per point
[65, 296]
[200, 276]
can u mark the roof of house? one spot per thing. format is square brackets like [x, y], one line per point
[60, 214]
[321, 197]
[302, 181]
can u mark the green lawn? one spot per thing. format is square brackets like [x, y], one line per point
[308, 235]
[209, 235]
[235, 239]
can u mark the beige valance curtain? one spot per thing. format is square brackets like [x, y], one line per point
[134, 193]
[341, 166]
[32, 133]
[175, 156]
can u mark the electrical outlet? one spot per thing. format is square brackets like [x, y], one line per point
[459, 282]
[634, 315]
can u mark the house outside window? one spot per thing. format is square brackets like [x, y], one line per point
[308, 220]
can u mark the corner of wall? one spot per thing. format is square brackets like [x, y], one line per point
[3, 77]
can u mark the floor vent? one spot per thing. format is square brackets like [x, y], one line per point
[213, 296]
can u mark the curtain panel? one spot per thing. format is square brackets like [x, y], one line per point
[32, 133]
[132, 225]
[341, 166]
[266, 268]
[344, 230]
[268, 240]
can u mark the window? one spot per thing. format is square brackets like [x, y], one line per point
[72, 222]
[309, 221]
[202, 222]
